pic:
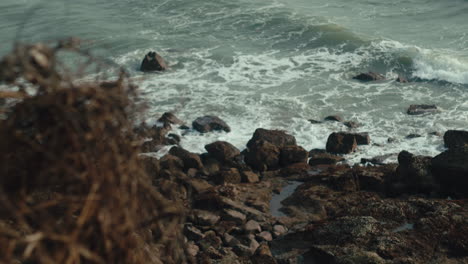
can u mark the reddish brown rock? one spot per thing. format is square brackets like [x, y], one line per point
[222, 151]
[190, 160]
[262, 156]
[341, 143]
[250, 177]
[324, 159]
[293, 154]
[277, 138]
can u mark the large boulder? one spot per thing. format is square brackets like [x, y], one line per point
[293, 154]
[210, 123]
[170, 118]
[324, 159]
[341, 143]
[450, 169]
[422, 109]
[369, 77]
[190, 160]
[153, 62]
[276, 137]
[362, 138]
[456, 138]
[262, 156]
[413, 174]
[222, 151]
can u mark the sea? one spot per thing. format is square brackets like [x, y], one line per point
[276, 64]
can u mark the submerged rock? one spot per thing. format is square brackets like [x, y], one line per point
[335, 118]
[153, 62]
[210, 123]
[401, 79]
[422, 109]
[369, 77]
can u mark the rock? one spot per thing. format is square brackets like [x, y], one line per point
[171, 162]
[210, 201]
[153, 62]
[262, 156]
[314, 122]
[391, 140]
[401, 79]
[170, 118]
[450, 169]
[377, 160]
[314, 152]
[369, 77]
[362, 138]
[210, 123]
[249, 177]
[292, 154]
[199, 186]
[414, 173]
[264, 236]
[222, 151]
[455, 139]
[210, 239]
[435, 133]
[346, 229]
[341, 143]
[190, 160]
[411, 136]
[235, 216]
[351, 124]
[230, 241]
[252, 226]
[212, 166]
[231, 175]
[205, 218]
[193, 233]
[263, 255]
[151, 166]
[277, 138]
[252, 213]
[173, 139]
[192, 249]
[422, 109]
[335, 118]
[324, 159]
[279, 230]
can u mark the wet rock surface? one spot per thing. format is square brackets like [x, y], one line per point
[369, 77]
[206, 124]
[153, 62]
[422, 109]
[336, 213]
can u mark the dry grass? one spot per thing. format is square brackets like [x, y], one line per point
[72, 189]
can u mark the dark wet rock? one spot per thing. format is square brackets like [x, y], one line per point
[341, 143]
[173, 139]
[292, 154]
[331, 254]
[362, 138]
[435, 133]
[210, 123]
[210, 239]
[193, 233]
[413, 174]
[170, 118]
[230, 241]
[249, 177]
[411, 136]
[369, 77]
[401, 79]
[314, 152]
[422, 109]
[314, 122]
[222, 151]
[335, 118]
[190, 160]
[262, 156]
[210, 201]
[212, 166]
[324, 159]
[153, 62]
[377, 160]
[351, 124]
[346, 229]
[450, 168]
[231, 175]
[264, 236]
[391, 140]
[455, 139]
[276, 137]
[171, 162]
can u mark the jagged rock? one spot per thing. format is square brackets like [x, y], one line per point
[455, 139]
[153, 62]
[252, 226]
[190, 160]
[171, 162]
[422, 109]
[264, 236]
[277, 138]
[279, 230]
[252, 213]
[369, 77]
[292, 154]
[450, 169]
[335, 118]
[205, 218]
[231, 175]
[341, 143]
[210, 123]
[324, 159]
[230, 241]
[401, 79]
[199, 186]
[210, 239]
[233, 215]
[262, 156]
[263, 255]
[222, 151]
[249, 177]
[170, 118]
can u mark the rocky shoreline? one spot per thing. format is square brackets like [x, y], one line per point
[414, 211]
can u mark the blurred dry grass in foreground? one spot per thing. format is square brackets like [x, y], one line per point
[72, 188]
